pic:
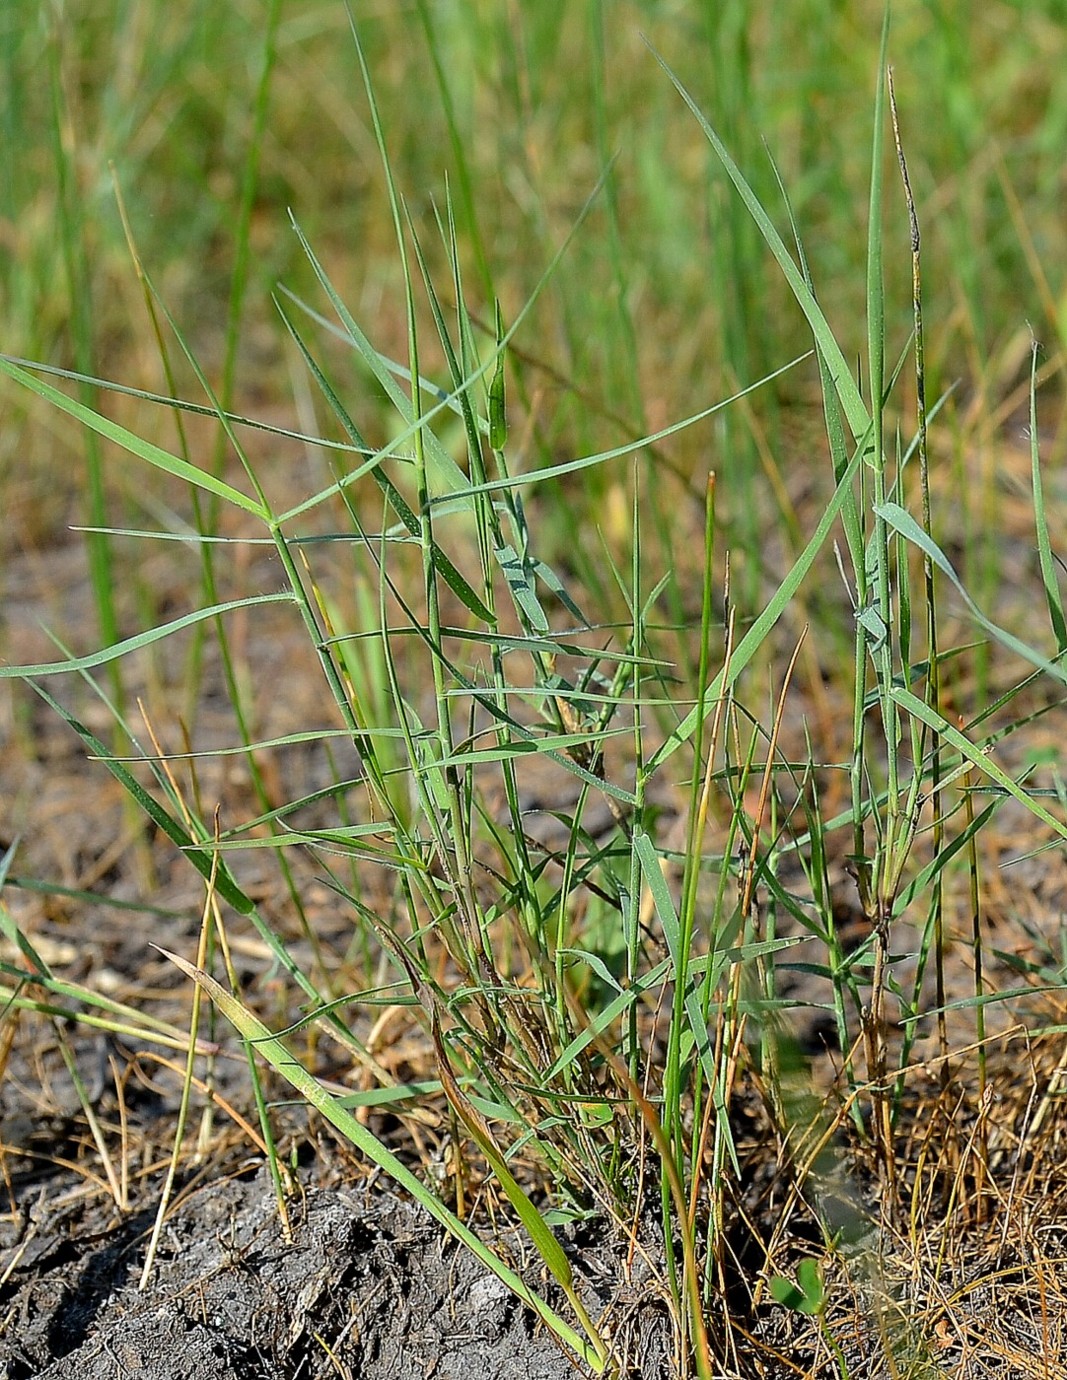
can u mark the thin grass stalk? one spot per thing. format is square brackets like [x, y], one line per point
[459, 154]
[207, 521]
[748, 889]
[879, 636]
[933, 683]
[1046, 559]
[188, 818]
[85, 1102]
[880, 640]
[72, 232]
[279, 1177]
[728, 1030]
[560, 948]
[119, 1078]
[621, 294]
[475, 936]
[771, 1064]
[245, 208]
[841, 978]
[769, 1041]
[978, 957]
[731, 1018]
[208, 586]
[698, 812]
[206, 923]
[632, 899]
[672, 1116]
[853, 515]
[736, 284]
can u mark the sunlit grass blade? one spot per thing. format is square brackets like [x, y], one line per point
[180, 405]
[540, 476]
[168, 823]
[856, 413]
[902, 521]
[269, 1047]
[136, 445]
[139, 640]
[757, 634]
[1049, 578]
[976, 756]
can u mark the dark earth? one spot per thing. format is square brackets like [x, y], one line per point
[367, 1287]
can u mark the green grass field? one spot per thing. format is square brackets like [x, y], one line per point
[694, 625]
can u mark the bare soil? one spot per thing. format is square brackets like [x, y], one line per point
[366, 1286]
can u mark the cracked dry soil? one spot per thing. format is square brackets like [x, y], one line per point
[367, 1287]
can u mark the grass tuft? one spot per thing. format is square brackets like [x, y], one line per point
[622, 806]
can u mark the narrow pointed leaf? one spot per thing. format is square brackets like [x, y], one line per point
[260, 1038]
[136, 445]
[133, 644]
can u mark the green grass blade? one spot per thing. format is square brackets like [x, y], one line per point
[136, 445]
[256, 1034]
[183, 405]
[975, 755]
[845, 386]
[174, 830]
[133, 644]
[875, 286]
[748, 646]
[902, 521]
[1044, 549]
[631, 447]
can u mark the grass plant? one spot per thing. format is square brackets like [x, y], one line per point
[598, 1007]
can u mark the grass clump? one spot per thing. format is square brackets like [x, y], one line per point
[601, 1011]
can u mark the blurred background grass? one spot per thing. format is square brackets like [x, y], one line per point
[666, 300]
